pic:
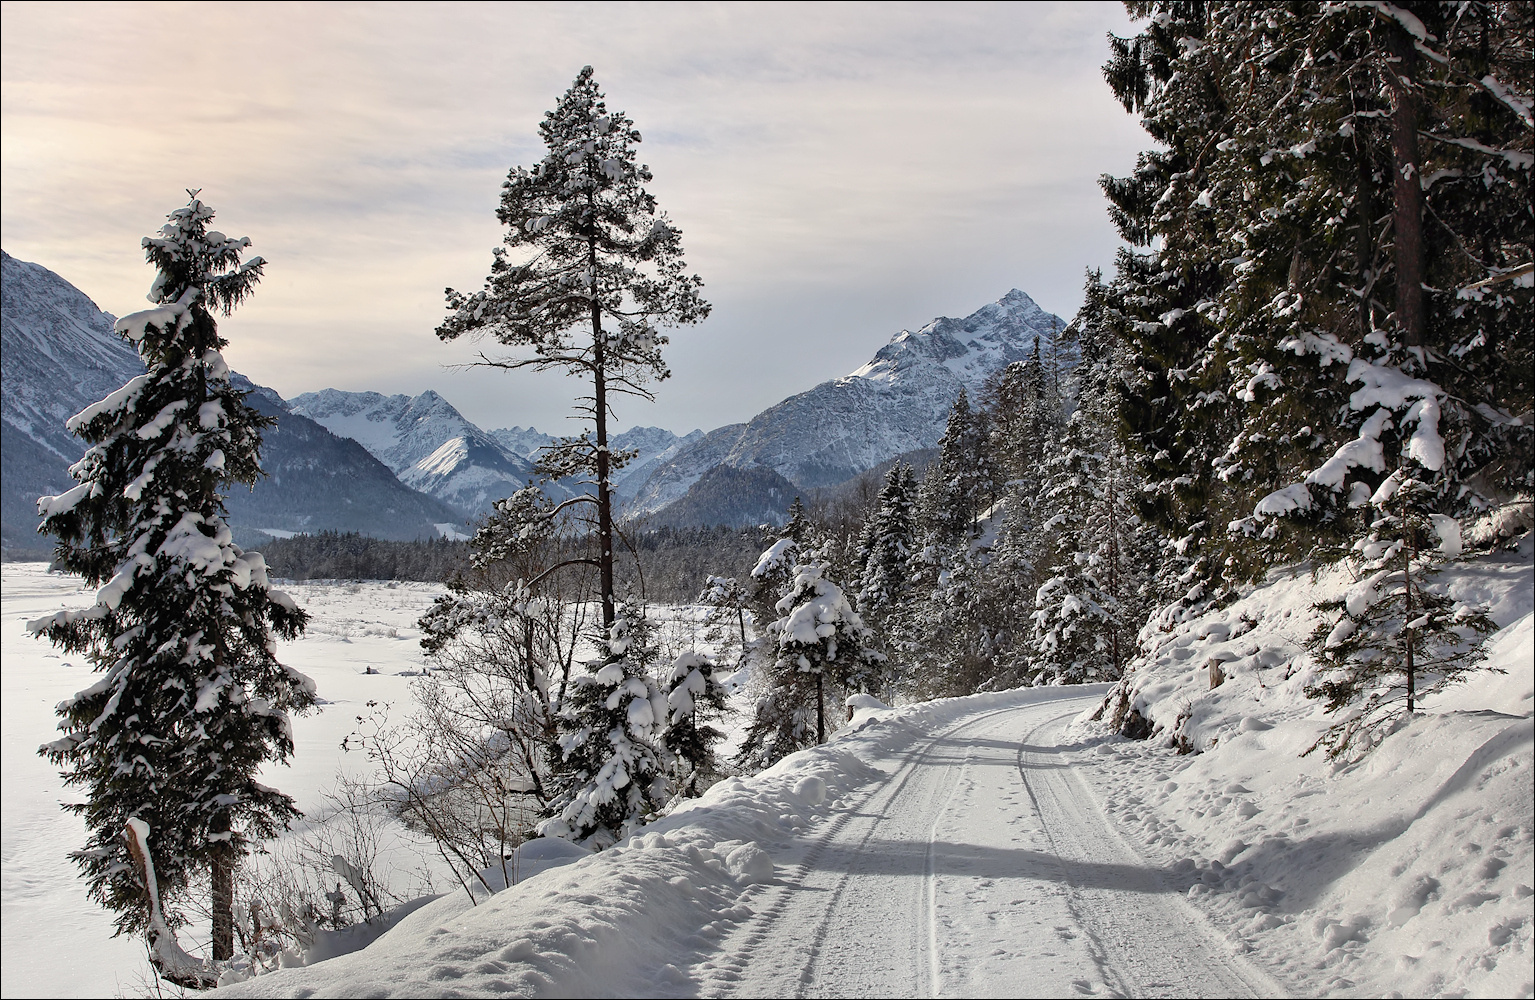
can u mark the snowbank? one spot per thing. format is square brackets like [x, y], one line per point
[1407, 873]
[1200, 682]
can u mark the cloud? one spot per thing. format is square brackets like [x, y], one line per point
[838, 171]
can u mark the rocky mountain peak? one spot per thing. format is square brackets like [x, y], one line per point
[970, 349]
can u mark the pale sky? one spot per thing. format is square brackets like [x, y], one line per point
[839, 172]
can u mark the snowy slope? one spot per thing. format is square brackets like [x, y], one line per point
[60, 355]
[426, 442]
[1409, 872]
[898, 402]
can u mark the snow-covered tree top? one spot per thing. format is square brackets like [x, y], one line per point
[779, 556]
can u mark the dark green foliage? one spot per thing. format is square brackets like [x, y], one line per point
[886, 550]
[335, 555]
[192, 701]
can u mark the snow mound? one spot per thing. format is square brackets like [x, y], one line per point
[1408, 872]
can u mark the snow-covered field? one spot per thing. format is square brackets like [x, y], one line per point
[996, 845]
[355, 627]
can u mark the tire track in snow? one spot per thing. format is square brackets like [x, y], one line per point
[1146, 937]
[808, 957]
[981, 866]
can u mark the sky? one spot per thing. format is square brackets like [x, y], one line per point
[839, 172]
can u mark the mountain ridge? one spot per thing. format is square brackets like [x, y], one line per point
[898, 402]
[61, 355]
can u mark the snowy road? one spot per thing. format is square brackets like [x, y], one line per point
[982, 867]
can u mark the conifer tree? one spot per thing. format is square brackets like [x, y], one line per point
[191, 701]
[800, 529]
[613, 767]
[820, 640]
[589, 273]
[1349, 357]
[1394, 639]
[694, 698]
[887, 551]
[1174, 409]
[962, 483]
[1084, 623]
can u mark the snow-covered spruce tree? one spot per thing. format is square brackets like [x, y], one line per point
[962, 483]
[1024, 410]
[694, 698]
[956, 490]
[1094, 554]
[887, 546]
[613, 767]
[800, 529]
[1394, 638]
[589, 272]
[1085, 625]
[819, 638]
[192, 701]
[1174, 409]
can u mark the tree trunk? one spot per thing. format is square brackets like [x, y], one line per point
[223, 877]
[1365, 249]
[600, 413]
[1407, 209]
[820, 709]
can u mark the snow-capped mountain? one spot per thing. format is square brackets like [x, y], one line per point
[426, 442]
[524, 441]
[60, 355]
[896, 403]
[655, 446]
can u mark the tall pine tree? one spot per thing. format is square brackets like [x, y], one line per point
[589, 273]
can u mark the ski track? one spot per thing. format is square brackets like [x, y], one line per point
[983, 866]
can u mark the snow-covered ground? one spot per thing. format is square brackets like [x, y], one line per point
[1002, 844]
[355, 627]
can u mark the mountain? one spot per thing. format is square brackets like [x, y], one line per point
[426, 442]
[654, 444]
[656, 447]
[60, 355]
[524, 441]
[669, 480]
[738, 498]
[897, 403]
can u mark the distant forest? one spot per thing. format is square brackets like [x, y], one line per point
[674, 562]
